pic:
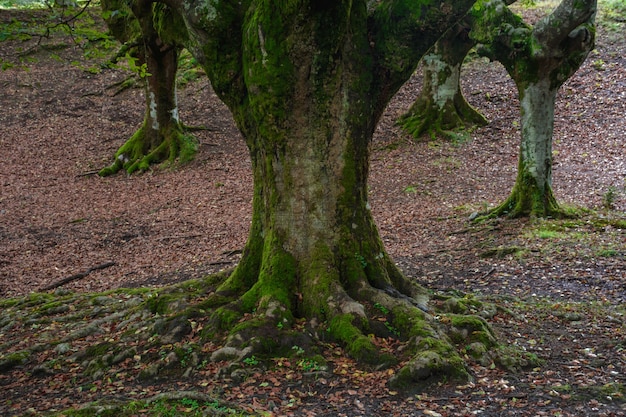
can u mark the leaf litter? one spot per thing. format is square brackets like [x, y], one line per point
[560, 294]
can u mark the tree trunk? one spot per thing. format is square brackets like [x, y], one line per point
[539, 60]
[161, 136]
[306, 90]
[532, 193]
[441, 108]
[313, 250]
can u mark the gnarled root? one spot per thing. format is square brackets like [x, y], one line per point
[356, 318]
[176, 146]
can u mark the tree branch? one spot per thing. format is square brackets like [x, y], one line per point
[555, 28]
[401, 32]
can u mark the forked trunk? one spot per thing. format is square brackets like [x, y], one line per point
[306, 82]
[539, 60]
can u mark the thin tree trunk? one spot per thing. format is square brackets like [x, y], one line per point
[532, 192]
[537, 110]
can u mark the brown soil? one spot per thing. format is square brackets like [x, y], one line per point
[60, 123]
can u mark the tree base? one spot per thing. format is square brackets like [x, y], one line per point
[527, 205]
[452, 121]
[433, 343]
[175, 147]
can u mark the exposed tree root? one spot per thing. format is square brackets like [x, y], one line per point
[175, 146]
[527, 203]
[172, 330]
[355, 318]
[75, 277]
[452, 121]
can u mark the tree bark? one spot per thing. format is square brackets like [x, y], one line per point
[441, 108]
[306, 82]
[161, 136]
[539, 60]
[532, 192]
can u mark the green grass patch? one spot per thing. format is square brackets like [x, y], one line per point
[193, 406]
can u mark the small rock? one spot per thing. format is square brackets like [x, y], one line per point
[42, 371]
[239, 375]
[62, 348]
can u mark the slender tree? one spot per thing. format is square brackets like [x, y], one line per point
[159, 33]
[306, 82]
[441, 108]
[539, 59]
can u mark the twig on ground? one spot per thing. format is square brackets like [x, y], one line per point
[486, 274]
[179, 237]
[220, 263]
[77, 276]
[86, 174]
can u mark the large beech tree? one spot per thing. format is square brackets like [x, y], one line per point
[306, 82]
[539, 59]
[159, 33]
[441, 108]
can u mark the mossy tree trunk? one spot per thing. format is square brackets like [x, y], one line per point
[539, 60]
[306, 82]
[441, 108]
[161, 137]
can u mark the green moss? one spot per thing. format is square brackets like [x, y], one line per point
[14, 359]
[120, 20]
[434, 361]
[9, 302]
[135, 154]
[469, 329]
[224, 318]
[169, 25]
[276, 279]
[98, 350]
[513, 358]
[37, 298]
[53, 307]
[411, 322]
[246, 325]
[528, 199]
[159, 304]
[358, 346]
[317, 281]
[269, 71]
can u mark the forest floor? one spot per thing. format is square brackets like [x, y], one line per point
[560, 284]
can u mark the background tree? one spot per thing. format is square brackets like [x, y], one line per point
[158, 33]
[306, 82]
[441, 108]
[539, 59]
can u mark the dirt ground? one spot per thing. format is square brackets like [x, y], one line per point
[60, 123]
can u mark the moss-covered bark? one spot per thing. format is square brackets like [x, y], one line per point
[161, 137]
[441, 108]
[532, 193]
[306, 82]
[539, 60]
